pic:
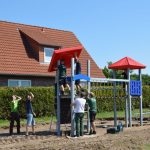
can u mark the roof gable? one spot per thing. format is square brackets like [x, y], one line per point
[15, 59]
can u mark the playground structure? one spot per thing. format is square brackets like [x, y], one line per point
[67, 55]
[114, 86]
[134, 87]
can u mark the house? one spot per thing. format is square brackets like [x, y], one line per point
[26, 51]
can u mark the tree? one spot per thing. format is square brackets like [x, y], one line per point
[109, 72]
[145, 78]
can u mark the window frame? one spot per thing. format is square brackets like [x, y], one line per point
[44, 49]
[19, 82]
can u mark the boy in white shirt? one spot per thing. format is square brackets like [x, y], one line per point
[79, 105]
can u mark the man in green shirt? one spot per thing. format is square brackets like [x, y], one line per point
[62, 77]
[14, 115]
[92, 110]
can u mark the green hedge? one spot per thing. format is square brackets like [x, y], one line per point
[43, 103]
[106, 104]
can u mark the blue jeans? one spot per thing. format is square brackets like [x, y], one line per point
[30, 120]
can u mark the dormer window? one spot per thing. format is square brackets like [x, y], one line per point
[48, 52]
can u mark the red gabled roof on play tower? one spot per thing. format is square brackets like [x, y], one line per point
[126, 63]
[64, 54]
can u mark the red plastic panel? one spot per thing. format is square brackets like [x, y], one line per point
[126, 63]
[66, 54]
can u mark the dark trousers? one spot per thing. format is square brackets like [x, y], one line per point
[14, 116]
[79, 124]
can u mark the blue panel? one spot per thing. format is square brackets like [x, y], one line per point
[135, 88]
[78, 77]
[81, 76]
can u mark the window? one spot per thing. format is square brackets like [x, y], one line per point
[48, 52]
[19, 83]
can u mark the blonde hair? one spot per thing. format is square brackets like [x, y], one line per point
[92, 94]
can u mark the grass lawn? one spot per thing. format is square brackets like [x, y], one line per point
[102, 115]
[5, 123]
[146, 147]
[105, 115]
[120, 114]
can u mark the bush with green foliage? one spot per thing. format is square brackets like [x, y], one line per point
[43, 102]
[106, 104]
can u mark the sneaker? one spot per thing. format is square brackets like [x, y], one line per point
[91, 132]
[76, 136]
[94, 132]
[65, 94]
[78, 92]
[27, 134]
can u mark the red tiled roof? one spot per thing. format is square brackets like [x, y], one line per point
[15, 60]
[126, 63]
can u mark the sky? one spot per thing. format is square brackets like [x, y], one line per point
[108, 29]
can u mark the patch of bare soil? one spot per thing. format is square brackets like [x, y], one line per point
[131, 138]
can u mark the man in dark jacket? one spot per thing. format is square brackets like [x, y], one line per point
[77, 71]
[30, 113]
[63, 77]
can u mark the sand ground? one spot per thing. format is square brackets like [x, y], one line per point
[44, 139]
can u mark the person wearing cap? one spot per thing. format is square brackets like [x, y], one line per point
[77, 71]
[30, 113]
[14, 115]
[79, 106]
[92, 110]
[62, 77]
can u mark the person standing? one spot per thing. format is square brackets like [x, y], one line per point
[77, 71]
[79, 106]
[62, 77]
[92, 110]
[30, 114]
[14, 115]
[125, 76]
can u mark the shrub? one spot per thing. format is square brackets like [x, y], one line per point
[106, 104]
[43, 102]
